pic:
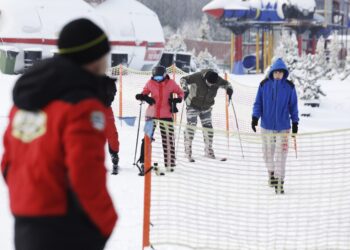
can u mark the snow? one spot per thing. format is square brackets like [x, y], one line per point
[126, 188]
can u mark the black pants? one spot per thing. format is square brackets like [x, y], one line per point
[168, 141]
[73, 231]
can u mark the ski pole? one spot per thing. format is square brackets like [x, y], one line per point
[295, 147]
[239, 134]
[138, 132]
[178, 136]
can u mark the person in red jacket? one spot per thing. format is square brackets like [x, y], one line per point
[53, 161]
[162, 106]
[111, 129]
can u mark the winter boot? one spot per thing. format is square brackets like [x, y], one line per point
[279, 187]
[209, 153]
[188, 151]
[272, 181]
[157, 169]
[115, 170]
[170, 168]
[115, 162]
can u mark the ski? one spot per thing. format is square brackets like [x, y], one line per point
[219, 159]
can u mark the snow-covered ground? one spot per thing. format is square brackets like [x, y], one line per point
[127, 187]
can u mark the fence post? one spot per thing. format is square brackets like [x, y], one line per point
[173, 67]
[147, 192]
[120, 90]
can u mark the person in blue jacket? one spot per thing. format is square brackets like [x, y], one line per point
[276, 104]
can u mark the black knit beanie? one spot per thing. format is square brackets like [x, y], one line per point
[211, 76]
[82, 41]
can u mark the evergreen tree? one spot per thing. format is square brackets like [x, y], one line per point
[175, 44]
[321, 58]
[205, 60]
[204, 29]
[346, 73]
[334, 62]
[287, 49]
[305, 75]
[304, 71]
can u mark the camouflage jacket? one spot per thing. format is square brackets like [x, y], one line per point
[201, 96]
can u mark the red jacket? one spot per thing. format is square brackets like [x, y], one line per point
[160, 92]
[54, 145]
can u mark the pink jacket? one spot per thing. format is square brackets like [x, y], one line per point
[161, 92]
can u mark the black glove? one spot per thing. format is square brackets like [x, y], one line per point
[145, 98]
[186, 93]
[115, 158]
[294, 127]
[172, 103]
[229, 92]
[139, 97]
[149, 100]
[254, 123]
[175, 100]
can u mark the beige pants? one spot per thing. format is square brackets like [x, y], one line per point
[275, 150]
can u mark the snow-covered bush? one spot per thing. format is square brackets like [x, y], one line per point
[305, 76]
[205, 60]
[175, 43]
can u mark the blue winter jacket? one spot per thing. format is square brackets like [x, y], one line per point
[276, 101]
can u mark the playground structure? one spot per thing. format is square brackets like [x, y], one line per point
[255, 24]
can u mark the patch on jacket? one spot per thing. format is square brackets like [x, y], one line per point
[27, 126]
[98, 120]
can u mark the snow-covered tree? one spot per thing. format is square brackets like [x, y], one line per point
[287, 49]
[204, 29]
[346, 73]
[305, 76]
[334, 62]
[304, 71]
[168, 31]
[205, 60]
[189, 29]
[321, 57]
[175, 44]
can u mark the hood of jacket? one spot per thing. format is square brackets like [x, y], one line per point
[53, 79]
[279, 65]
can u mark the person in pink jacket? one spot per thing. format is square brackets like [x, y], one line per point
[158, 93]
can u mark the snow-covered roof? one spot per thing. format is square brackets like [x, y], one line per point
[41, 18]
[130, 20]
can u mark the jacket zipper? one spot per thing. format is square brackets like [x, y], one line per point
[276, 104]
[159, 106]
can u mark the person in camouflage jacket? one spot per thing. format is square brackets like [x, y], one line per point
[200, 91]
